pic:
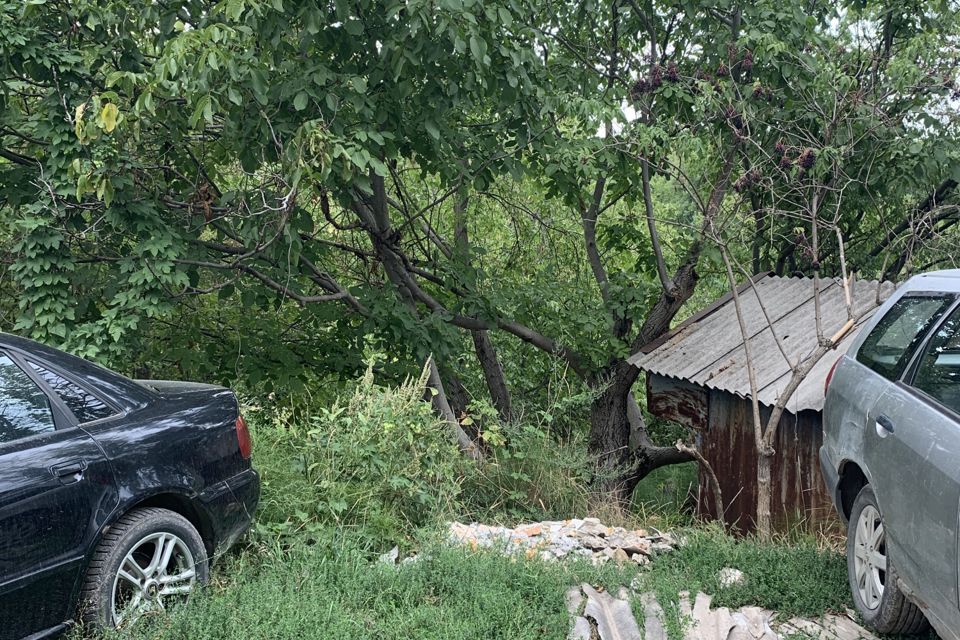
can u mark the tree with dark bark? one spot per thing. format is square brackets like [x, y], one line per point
[384, 168]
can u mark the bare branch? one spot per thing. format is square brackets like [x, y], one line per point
[665, 281]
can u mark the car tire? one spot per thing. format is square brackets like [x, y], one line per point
[128, 575]
[872, 575]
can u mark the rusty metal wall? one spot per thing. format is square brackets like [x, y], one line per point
[677, 401]
[800, 498]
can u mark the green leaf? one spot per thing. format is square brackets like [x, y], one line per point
[234, 9]
[202, 110]
[105, 191]
[300, 102]
[109, 115]
[478, 48]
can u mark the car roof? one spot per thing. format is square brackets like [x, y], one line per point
[947, 280]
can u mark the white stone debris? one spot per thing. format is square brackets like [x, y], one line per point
[729, 577]
[559, 539]
[390, 557]
[702, 622]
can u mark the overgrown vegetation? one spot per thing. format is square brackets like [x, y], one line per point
[332, 590]
[310, 567]
[380, 466]
[264, 193]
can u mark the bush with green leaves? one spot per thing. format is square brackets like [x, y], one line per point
[529, 475]
[380, 463]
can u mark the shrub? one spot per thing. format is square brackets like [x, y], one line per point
[529, 475]
[377, 467]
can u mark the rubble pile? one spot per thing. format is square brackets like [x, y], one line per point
[559, 539]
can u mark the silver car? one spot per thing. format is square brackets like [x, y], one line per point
[891, 458]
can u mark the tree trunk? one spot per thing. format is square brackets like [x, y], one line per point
[759, 231]
[610, 441]
[442, 407]
[764, 524]
[376, 219]
[493, 374]
[459, 400]
[486, 352]
[619, 467]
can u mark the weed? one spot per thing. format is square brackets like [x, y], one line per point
[336, 592]
[796, 578]
[530, 475]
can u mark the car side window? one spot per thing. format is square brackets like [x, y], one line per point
[888, 348]
[938, 369]
[84, 405]
[24, 407]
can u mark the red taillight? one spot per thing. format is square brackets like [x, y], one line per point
[243, 438]
[826, 383]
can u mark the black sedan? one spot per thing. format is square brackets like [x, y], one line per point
[114, 494]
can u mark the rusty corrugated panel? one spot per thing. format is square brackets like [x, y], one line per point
[800, 498]
[678, 401]
[709, 351]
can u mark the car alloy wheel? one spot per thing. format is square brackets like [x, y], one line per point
[872, 570]
[146, 561]
[870, 557]
[157, 569]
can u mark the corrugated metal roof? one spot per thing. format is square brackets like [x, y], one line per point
[708, 349]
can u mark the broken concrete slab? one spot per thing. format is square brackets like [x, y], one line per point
[747, 623]
[652, 618]
[612, 616]
[830, 627]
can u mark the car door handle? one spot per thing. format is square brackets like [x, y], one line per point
[885, 423]
[69, 472]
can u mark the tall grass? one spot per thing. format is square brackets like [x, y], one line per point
[335, 591]
[380, 466]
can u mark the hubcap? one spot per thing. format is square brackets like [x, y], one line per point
[158, 569]
[870, 557]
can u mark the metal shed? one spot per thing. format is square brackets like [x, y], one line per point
[697, 375]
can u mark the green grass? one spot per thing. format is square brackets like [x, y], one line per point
[794, 578]
[335, 589]
[316, 592]
[664, 495]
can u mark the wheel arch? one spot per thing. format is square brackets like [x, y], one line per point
[852, 480]
[187, 507]
[176, 500]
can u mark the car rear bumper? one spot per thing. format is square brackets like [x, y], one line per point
[831, 478]
[232, 507]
